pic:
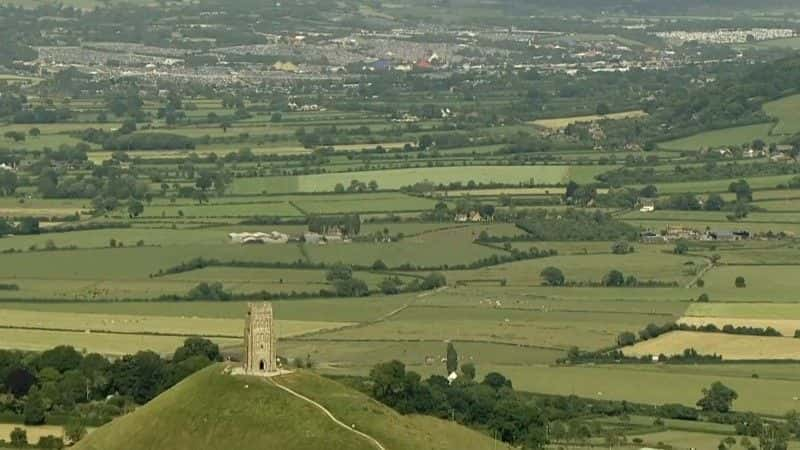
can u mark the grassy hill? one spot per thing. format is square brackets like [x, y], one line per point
[211, 410]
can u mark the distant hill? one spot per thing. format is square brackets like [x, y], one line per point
[211, 410]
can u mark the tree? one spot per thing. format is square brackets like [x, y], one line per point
[740, 282]
[34, 132]
[626, 338]
[433, 280]
[16, 136]
[773, 436]
[379, 265]
[352, 287]
[197, 346]
[74, 430]
[34, 409]
[390, 286]
[8, 182]
[373, 185]
[19, 438]
[614, 278]
[714, 202]
[468, 370]
[552, 276]
[135, 208]
[621, 248]
[649, 191]
[496, 380]
[718, 398]
[703, 298]
[742, 190]
[339, 188]
[602, 109]
[339, 271]
[452, 358]
[19, 381]
[681, 248]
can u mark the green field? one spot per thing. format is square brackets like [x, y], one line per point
[724, 137]
[786, 111]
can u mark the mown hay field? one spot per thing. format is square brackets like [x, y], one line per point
[730, 346]
[563, 122]
[397, 178]
[786, 327]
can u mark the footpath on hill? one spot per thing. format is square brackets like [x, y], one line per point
[328, 413]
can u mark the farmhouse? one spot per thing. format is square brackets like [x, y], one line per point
[675, 232]
[724, 235]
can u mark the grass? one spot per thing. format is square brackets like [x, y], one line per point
[787, 111]
[211, 410]
[731, 347]
[553, 329]
[724, 137]
[764, 283]
[646, 264]
[563, 122]
[652, 384]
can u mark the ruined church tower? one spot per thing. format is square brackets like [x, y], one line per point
[260, 339]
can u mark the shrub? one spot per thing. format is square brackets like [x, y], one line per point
[740, 282]
[552, 276]
[434, 280]
[614, 278]
[703, 298]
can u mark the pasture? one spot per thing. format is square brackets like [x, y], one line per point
[786, 111]
[724, 137]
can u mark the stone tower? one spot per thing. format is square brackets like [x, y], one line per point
[260, 338]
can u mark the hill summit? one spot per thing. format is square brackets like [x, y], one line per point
[213, 410]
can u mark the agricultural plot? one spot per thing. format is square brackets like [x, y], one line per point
[646, 265]
[720, 138]
[755, 311]
[768, 182]
[315, 310]
[34, 432]
[397, 178]
[106, 344]
[763, 283]
[786, 327]
[549, 330]
[563, 122]
[148, 325]
[658, 386]
[729, 346]
[366, 203]
[787, 111]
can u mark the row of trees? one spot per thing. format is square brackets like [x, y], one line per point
[91, 388]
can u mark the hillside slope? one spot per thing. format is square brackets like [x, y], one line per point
[211, 410]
